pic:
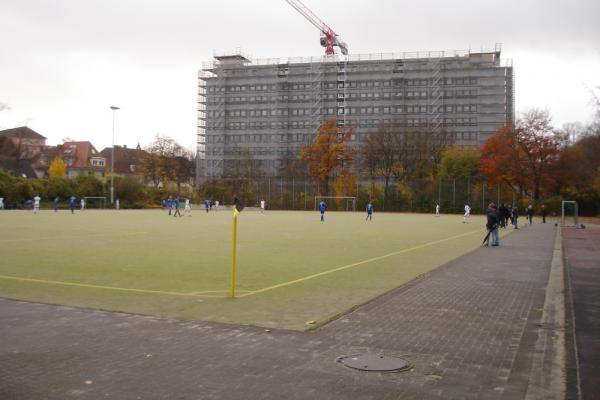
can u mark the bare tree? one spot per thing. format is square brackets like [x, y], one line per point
[167, 161]
[380, 155]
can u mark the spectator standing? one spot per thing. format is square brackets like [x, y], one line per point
[492, 224]
[530, 214]
[544, 213]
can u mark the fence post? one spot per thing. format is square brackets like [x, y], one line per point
[305, 193]
[483, 197]
[293, 192]
[469, 190]
[454, 193]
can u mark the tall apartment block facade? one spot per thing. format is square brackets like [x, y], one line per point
[266, 110]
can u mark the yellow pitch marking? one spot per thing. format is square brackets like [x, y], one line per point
[86, 285]
[217, 291]
[357, 264]
[74, 236]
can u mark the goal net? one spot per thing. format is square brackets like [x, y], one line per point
[95, 202]
[337, 203]
[569, 213]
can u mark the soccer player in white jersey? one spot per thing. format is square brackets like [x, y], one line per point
[82, 204]
[437, 210]
[188, 210]
[262, 206]
[36, 204]
[467, 214]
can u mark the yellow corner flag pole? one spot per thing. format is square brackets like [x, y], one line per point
[233, 252]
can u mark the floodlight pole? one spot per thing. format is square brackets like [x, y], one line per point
[112, 157]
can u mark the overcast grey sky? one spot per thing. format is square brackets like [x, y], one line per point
[63, 63]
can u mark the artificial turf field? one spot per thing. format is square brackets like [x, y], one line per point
[293, 271]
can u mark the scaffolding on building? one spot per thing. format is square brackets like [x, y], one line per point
[323, 100]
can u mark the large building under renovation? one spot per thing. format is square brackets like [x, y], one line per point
[265, 110]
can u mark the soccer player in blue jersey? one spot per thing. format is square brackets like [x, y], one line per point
[169, 204]
[177, 207]
[322, 208]
[72, 204]
[369, 212]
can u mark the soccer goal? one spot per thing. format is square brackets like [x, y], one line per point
[337, 203]
[95, 202]
[569, 213]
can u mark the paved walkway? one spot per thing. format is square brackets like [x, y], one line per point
[470, 330]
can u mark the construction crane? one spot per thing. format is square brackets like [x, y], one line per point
[328, 37]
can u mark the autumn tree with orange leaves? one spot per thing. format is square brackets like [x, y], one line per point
[329, 153]
[525, 156]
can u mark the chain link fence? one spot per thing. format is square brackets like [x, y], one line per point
[284, 193]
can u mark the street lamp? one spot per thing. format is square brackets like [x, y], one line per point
[112, 157]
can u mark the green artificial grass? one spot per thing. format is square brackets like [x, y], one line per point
[293, 271]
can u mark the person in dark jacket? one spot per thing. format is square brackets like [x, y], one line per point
[492, 224]
[544, 213]
[503, 215]
[515, 217]
[530, 214]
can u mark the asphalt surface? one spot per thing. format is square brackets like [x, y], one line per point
[471, 329]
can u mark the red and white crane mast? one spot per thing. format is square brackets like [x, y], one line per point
[329, 38]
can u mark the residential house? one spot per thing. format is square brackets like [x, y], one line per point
[128, 161]
[21, 168]
[23, 144]
[82, 158]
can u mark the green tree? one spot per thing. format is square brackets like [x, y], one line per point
[132, 192]
[59, 187]
[459, 163]
[7, 184]
[88, 185]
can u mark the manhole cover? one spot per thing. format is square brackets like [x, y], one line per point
[374, 362]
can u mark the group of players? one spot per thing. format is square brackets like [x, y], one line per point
[174, 205]
[35, 203]
[503, 213]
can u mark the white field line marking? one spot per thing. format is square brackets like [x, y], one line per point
[357, 264]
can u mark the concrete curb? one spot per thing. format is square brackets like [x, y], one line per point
[548, 375]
